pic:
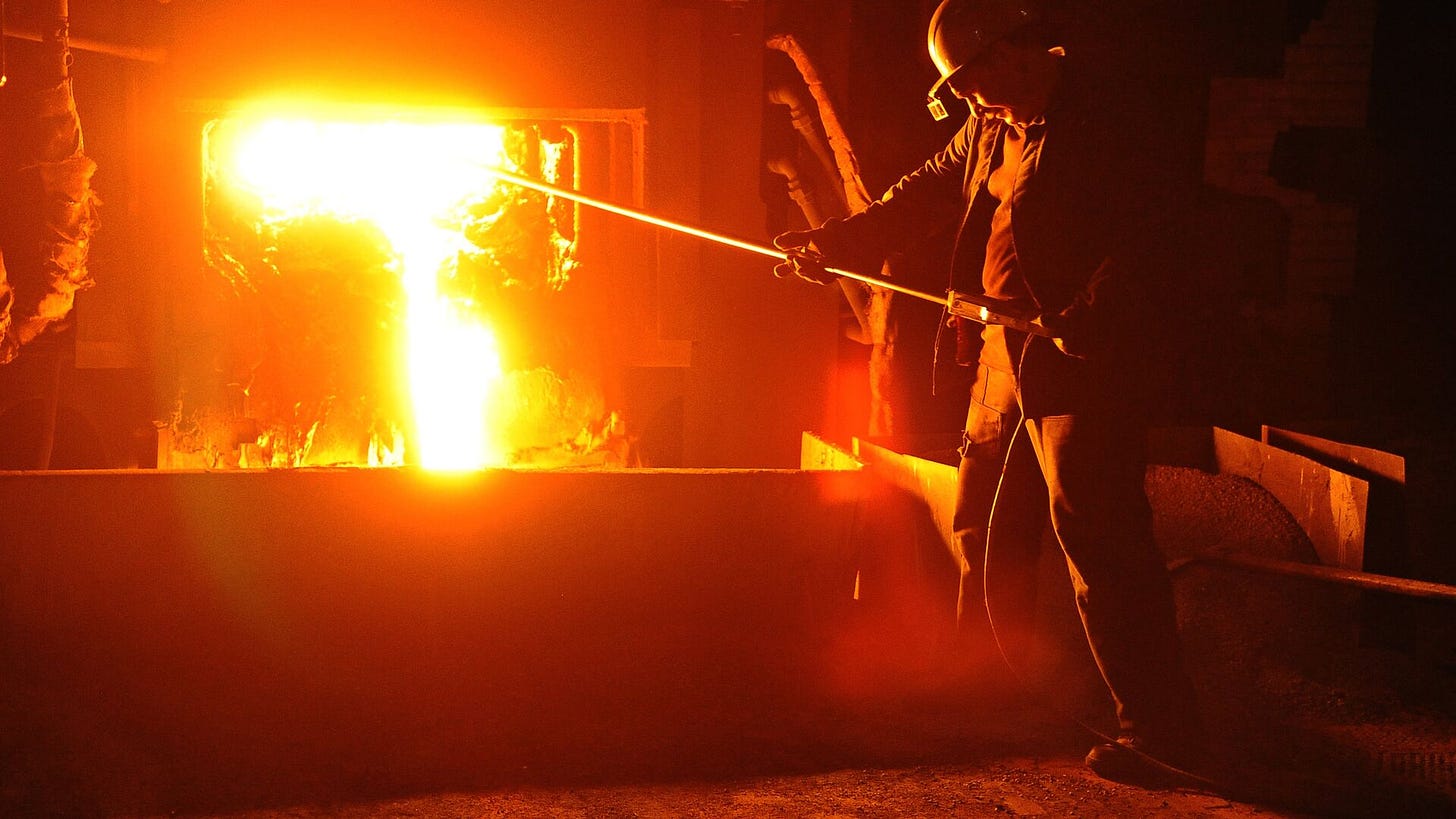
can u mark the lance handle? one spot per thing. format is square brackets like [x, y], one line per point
[989, 311]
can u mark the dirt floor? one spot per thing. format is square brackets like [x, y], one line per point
[1013, 787]
[975, 747]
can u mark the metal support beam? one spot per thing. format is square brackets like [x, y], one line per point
[1327, 574]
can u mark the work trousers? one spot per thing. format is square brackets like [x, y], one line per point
[1085, 474]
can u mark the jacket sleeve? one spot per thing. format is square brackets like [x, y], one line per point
[1127, 297]
[1134, 220]
[922, 202]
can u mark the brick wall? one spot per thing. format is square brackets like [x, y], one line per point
[1325, 84]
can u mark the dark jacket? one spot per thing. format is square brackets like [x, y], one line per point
[1096, 213]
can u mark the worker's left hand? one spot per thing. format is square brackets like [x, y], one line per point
[1063, 327]
[804, 260]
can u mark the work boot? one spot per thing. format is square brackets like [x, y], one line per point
[1132, 760]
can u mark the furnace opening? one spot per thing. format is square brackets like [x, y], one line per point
[386, 293]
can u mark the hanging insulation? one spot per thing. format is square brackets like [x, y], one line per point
[43, 258]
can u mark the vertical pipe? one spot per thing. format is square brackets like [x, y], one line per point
[61, 26]
[57, 29]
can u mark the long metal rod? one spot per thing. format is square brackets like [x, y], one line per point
[144, 54]
[1328, 574]
[679, 227]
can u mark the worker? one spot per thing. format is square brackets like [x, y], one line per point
[1064, 211]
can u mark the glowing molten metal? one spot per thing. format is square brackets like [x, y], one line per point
[406, 179]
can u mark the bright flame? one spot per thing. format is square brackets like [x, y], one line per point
[403, 176]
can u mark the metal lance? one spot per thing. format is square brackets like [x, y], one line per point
[966, 305]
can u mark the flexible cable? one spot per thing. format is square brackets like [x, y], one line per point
[1022, 679]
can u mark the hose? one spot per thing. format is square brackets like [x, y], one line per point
[1202, 783]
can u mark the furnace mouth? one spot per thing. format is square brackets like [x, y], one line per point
[386, 300]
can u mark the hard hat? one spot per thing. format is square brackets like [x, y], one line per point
[961, 29]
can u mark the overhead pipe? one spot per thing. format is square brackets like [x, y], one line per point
[803, 195]
[855, 193]
[145, 54]
[836, 160]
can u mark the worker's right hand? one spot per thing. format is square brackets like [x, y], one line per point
[803, 258]
[1064, 328]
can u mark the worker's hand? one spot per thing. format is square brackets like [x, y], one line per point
[804, 260]
[1063, 327]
